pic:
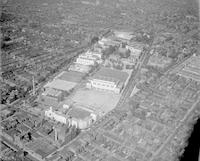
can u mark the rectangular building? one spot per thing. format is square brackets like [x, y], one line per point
[76, 116]
[52, 96]
[85, 61]
[108, 79]
[106, 42]
[96, 52]
[56, 115]
[123, 35]
[65, 81]
[59, 87]
[79, 68]
[81, 117]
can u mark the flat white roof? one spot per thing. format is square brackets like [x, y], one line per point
[79, 113]
[70, 76]
[52, 92]
[61, 85]
[124, 35]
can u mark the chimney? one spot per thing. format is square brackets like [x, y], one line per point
[33, 80]
[56, 134]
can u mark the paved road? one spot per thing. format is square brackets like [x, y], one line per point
[128, 89]
[126, 93]
[132, 81]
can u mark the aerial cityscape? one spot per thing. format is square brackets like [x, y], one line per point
[99, 80]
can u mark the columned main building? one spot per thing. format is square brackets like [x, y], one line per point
[108, 80]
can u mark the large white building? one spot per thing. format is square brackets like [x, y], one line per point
[79, 117]
[108, 79]
[97, 54]
[98, 49]
[85, 61]
[95, 57]
[106, 42]
[79, 68]
[56, 115]
[127, 36]
[89, 58]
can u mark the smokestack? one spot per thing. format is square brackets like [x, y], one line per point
[56, 134]
[33, 85]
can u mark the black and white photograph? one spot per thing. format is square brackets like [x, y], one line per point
[100, 80]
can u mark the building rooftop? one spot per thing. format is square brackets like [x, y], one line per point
[61, 128]
[65, 81]
[109, 41]
[80, 66]
[124, 35]
[70, 76]
[61, 85]
[41, 146]
[79, 113]
[110, 74]
[22, 128]
[52, 92]
[136, 45]
[96, 52]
